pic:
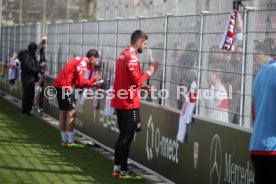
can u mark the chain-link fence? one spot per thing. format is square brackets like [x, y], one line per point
[110, 9]
[16, 38]
[186, 46]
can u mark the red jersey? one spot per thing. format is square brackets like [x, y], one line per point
[128, 77]
[73, 73]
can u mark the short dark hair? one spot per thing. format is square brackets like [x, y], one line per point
[136, 35]
[92, 52]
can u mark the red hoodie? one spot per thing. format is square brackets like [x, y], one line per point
[128, 73]
[73, 73]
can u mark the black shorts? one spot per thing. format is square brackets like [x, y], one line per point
[12, 82]
[67, 102]
[264, 166]
[128, 120]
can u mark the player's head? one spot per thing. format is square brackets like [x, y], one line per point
[139, 40]
[92, 55]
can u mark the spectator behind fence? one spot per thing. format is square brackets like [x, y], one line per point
[13, 64]
[74, 73]
[270, 47]
[237, 59]
[42, 67]
[260, 56]
[128, 75]
[29, 76]
[234, 80]
[3, 69]
[189, 60]
[176, 53]
[263, 140]
[215, 55]
[188, 68]
[172, 74]
[216, 97]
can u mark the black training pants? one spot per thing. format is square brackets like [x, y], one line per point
[27, 96]
[265, 167]
[127, 123]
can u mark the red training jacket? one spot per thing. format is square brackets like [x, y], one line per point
[128, 73]
[73, 73]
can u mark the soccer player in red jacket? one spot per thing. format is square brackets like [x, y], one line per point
[73, 74]
[128, 78]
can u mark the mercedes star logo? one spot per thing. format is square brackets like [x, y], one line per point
[215, 160]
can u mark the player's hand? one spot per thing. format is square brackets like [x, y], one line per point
[153, 67]
[98, 76]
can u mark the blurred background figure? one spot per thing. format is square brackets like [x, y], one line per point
[216, 97]
[13, 65]
[261, 56]
[270, 47]
[237, 59]
[3, 69]
[177, 52]
[42, 67]
[188, 68]
[29, 76]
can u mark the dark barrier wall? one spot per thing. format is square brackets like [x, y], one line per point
[16, 91]
[213, 152]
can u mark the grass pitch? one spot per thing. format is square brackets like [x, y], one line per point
[30, 153]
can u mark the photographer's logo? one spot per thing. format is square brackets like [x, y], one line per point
[215, 160]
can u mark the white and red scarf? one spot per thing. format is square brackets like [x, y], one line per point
[187, 112]
[234, 25]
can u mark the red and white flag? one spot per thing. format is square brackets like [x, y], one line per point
[187, 111]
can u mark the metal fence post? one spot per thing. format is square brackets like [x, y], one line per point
[126, 9]
[68, 32]
[164, 57]
[55, 58]
[164, 7]
[82, 33]
[29, 32]
[243, 66]
[2, 42]
[150, 8]
[20, 36]
[179, 7]
[200, 58]
[138, 9]
[8, 43]
[116, 44]
[14, 38]
[116, 8]
[139, 22]
[38, 32]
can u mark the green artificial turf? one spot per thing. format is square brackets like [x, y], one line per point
[30, 153]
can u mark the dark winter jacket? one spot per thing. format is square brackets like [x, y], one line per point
[29, 67]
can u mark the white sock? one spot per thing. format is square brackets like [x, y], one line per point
[64, 136]
[117, 168]
[70, 137]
